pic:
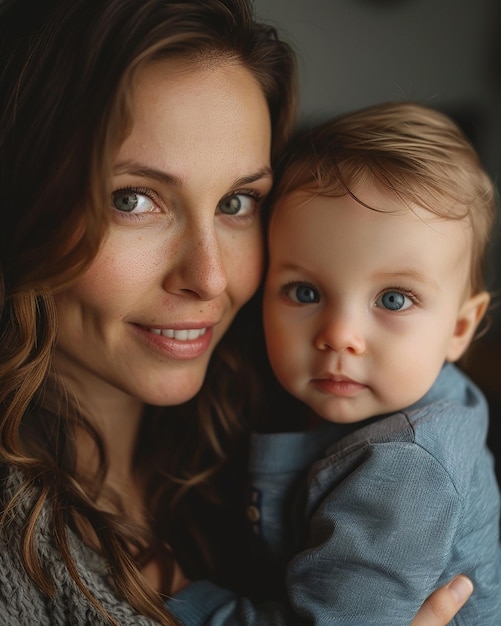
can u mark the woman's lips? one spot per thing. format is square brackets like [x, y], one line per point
[176, 343]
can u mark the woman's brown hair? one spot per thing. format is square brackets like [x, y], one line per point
[68, 69]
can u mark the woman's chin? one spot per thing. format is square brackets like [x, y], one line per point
[174, 393]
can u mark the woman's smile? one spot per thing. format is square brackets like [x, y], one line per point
[183, 343]
[180, 335]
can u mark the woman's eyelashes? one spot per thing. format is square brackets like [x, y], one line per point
[242, 204]
[134, 202]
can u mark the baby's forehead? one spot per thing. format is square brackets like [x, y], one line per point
[370, 202]
[371, 194]
[339, 236]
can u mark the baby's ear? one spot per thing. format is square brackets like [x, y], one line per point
[469, 316]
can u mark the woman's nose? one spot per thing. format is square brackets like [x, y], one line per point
[199, 268]
[340, 332]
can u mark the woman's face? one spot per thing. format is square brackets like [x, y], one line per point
[184, 249]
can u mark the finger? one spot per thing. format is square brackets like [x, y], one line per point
[444, 603]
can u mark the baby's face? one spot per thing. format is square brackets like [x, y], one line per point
[361, 307]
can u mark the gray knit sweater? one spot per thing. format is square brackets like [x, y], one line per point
[22, 604]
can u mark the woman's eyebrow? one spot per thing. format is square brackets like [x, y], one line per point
[264, 172]
[142, 171]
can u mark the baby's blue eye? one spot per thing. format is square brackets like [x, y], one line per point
[393, 301]
[306, 294]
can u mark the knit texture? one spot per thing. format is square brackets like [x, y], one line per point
[21, 602]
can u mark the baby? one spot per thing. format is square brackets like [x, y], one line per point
[374, 288]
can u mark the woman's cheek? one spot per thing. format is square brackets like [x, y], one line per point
[246, 267]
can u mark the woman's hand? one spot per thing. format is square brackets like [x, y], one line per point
[437, 610]
[444, 603]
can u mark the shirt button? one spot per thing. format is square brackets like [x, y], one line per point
[253, 513]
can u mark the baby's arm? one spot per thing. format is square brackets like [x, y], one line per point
[380, 538]
[205, 604]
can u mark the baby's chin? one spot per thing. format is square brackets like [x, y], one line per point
[351, 410]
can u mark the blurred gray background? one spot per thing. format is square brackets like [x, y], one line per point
[357, 52]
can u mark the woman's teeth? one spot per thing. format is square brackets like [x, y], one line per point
[180, 335]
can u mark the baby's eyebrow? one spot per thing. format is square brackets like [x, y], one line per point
[408, 274]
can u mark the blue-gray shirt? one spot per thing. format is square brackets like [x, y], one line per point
[380, 518]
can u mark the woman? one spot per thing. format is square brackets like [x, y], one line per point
[136, 144]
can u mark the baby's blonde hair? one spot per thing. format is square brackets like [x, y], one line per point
[414, 152]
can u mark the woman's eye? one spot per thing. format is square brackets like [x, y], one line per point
[129, 201]
[304, 294]
[237, 204]
[394, 301]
